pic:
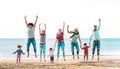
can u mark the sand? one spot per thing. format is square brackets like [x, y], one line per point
[31, 63]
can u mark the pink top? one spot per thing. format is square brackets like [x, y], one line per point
[60, 37]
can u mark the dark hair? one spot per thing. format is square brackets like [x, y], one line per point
[50, 49]
[19, 46]
[85, 44]
[30, 24]
[95, 25]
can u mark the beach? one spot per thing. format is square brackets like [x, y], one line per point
[106, 62]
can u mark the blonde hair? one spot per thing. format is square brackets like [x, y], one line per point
[76, 29]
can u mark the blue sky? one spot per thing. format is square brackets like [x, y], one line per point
[82, 14]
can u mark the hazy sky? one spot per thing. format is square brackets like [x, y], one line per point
[82, 14]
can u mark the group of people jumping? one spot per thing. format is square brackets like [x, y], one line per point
[59, 42]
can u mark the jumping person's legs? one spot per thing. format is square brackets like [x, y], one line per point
[34, 46]
[44, 51]
[41, 48]
[77, 48]
[63, 49]
[98, 49]
[28, 46]
[58, 50]
[72, 50]
[93, 50]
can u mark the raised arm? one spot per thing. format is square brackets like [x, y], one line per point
[99, 24]
[39, 28]
[35, 21]
[63, 26]
[45, 27]
[68, 29]
[26, 21]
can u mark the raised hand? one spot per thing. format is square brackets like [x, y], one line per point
[37, 17]
[99, 20]
[25, 17]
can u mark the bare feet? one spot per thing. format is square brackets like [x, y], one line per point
[35, 55]
[28, 54]
[78, 56]
[40, 60]
[73, 57]
[64, 59]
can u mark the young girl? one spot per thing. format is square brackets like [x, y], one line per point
[51, 54]
[42, 42]
[85, 48]
[19, 52]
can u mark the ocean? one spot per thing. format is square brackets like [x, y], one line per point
[109, 46]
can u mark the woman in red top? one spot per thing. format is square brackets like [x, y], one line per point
[85, 51]
[60, 41]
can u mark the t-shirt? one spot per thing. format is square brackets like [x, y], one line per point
[31, 32]
[60, 37]
[85, 49]
[75, 37]
[42, 37]
[96, 33]
[18, 52]
[51, 54]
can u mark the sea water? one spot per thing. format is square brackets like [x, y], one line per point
[109, 46]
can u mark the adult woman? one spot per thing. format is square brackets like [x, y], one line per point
[74, 42]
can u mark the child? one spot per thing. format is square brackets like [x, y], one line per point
[31, 36]
[42, 42]
[51, 54]
[19, 52]
[85, 51]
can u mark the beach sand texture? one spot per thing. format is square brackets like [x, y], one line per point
[104, 63]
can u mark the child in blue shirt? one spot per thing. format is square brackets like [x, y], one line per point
[19, 52]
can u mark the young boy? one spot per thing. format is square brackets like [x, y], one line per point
[42, 42]
[85, 48]
[19, 52]
[31, 36]
[51, 54]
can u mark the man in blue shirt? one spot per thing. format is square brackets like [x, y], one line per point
[96, 41]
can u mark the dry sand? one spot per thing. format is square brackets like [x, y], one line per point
[26, 63]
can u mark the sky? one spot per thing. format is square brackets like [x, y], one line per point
[81, 14]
